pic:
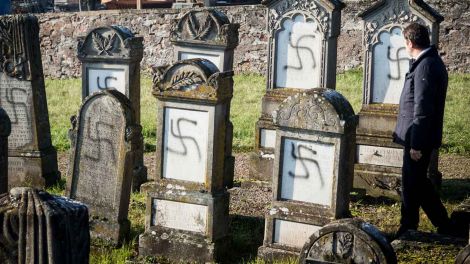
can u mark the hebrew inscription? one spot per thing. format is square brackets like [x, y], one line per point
[106, 78]
[298, 53]
[390, 64]
[307, 171]
[16, 99]
[185, 142]
[102, 129]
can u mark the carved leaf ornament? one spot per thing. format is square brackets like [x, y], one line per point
[104, 44]
[196, 30]
[12, 59]
[185, 80]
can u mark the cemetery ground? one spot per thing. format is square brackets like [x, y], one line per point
[249, 204]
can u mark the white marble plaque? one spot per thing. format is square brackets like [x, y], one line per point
[298, 54]
[307, 171]
[379, 156]
[177, 215]
[184, 55]
[106, 78]
[16, 99]
[390, 63]
[292, 233]
[268, 138]
[185, 144]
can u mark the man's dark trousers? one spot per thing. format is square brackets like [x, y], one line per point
[417, 190]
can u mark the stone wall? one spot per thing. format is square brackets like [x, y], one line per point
[59, 32]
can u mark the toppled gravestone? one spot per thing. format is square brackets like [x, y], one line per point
[348, 241]
[5, 129]
[37, 227]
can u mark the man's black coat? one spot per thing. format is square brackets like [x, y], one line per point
[421, 111]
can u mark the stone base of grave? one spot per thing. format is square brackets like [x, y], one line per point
[261, 167]
[110, 233]
[270, 254]
[183, 246]
[377, 180]
[33, 169]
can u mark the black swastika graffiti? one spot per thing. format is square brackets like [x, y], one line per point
[99, 138]
[182, 138]
[16, 104]
[303, 160]
[106, 82]
[396, 60]
[297, 46]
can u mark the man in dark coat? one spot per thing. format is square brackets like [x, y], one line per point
[419, 130]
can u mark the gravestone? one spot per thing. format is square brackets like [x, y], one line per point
[32, 160]
[379, 160]
[102, 159]
[110, 59]
[5, 130]
[464, 256]
[348, 241]
[301, 55]
[41, 228]
[313, 169]
[208, 34]
[187, 213]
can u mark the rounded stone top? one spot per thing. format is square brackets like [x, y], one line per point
[5, 124]
[317, 109]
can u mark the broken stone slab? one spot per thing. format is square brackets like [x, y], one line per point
[5, 130]
[41, 228]
[348, 241]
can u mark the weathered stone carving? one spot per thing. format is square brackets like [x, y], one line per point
[102, 161]
[5, 130]
[347, 241]
[41, 228]
[32, 158]
[208, 27]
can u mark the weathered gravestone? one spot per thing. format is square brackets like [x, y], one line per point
[187, 215]
[5, 130]
[379, 160]
[102, 160]
[464, 256]
[41, 228]
[110, 59]
[301, 55]
[313, 169]
[32, 160]
[208, 34]
[348, 241]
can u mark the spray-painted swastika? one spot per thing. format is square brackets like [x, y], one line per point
[106, 82]
[303, 160]
[396, 60]
[297, 46]
[182, 138]
[17, 104]
[99, 138]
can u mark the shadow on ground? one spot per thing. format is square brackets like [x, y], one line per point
[248, 235]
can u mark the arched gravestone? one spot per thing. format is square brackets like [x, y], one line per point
[464, 256]
[41, 228]
[187, 214]
[301, 55]
[313, 169]
[347, 241]
[101, 162]
[5, 130]
[32, 160]
[208, 34]
[379, 160]
[110, 59]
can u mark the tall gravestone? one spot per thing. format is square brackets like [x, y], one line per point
[301, 55]
[379, 160]
[32, 160]
[110, 59]
[5, 130]
[208, 34]
[102, 161]
[187, 214]
[313, 169]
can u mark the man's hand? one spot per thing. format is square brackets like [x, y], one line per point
[415, 154]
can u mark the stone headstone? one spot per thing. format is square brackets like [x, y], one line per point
[102, 160]
[348, 241]
[5, 130]
[208, 34]
[32, 160]
[301, 55]
[379, 160]
[464, 256]
[187, 205]
[110, 59]
[41, 228]
[313, 169]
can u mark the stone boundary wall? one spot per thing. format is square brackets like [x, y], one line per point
[59, 32]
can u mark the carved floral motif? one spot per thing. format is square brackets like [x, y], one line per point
[104, 44]
[13, 57]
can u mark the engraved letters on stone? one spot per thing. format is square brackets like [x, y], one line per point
[110, 59]
[102, 161]
[32, 158]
